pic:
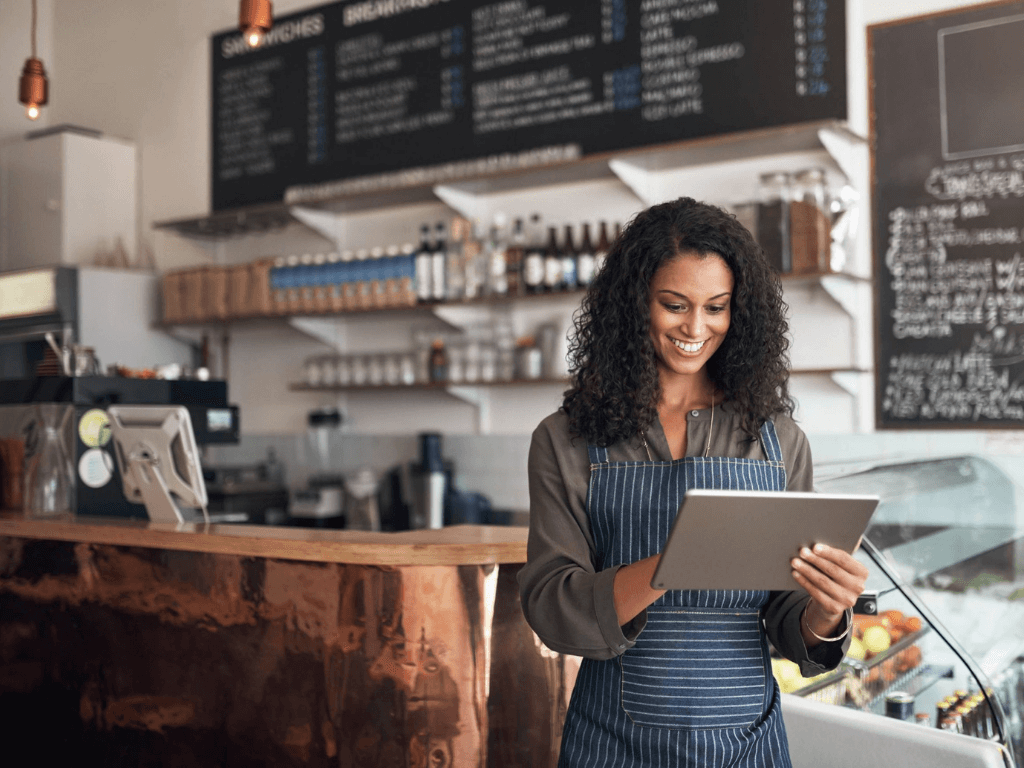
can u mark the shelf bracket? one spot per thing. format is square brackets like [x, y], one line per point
[843, 292]
[846, 148]
[848, 381]
[466, 204]
[479, 397]
[328, 225]
[639, 180]
[332, 331]
[459, 318]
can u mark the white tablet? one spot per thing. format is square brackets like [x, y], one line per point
[746, 539]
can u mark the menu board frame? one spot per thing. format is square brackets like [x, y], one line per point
[946, 215]
[744, 67]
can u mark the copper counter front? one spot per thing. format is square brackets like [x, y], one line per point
[145, 656]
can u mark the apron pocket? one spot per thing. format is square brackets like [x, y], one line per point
[695, 669]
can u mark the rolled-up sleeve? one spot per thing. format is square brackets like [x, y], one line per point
[566, 600]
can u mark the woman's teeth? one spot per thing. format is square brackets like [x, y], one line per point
[688, 347]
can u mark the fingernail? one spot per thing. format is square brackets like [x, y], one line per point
[797, 563]
[819, 547]
[805, 551]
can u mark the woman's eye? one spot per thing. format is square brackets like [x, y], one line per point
[674, 307]
[716, 310]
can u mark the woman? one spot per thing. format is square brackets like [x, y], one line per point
[679, 381]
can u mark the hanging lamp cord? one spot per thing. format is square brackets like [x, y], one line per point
[33, 29]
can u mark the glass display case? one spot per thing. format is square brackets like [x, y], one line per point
[939, 633]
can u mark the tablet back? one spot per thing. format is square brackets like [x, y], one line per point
[746, 539]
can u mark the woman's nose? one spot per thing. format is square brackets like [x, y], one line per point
[693, 324]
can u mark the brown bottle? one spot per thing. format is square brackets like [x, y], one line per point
[438, 362]
[570, 279]
[552, 263]
[515, 255]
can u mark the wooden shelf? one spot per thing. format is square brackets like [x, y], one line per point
[809, 278]
[363, 194]
[428, 306]
[825, 371]
[442, 386]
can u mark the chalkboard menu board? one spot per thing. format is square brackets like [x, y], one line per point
[948, 112]
[375, 94]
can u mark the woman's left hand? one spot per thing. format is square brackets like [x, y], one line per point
[834, 579]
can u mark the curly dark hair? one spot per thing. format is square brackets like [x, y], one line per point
[614, 377]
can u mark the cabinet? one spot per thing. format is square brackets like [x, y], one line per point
[830, 313]
[67, 198]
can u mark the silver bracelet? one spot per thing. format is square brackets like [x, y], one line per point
[849, 625]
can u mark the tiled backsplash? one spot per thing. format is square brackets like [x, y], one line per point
[494, 465]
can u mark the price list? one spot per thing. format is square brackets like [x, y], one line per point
[374, 94]
[948, 228]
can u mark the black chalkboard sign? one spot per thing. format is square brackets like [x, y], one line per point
[358, 96]
[948, 208]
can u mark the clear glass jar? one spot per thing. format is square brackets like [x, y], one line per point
[810, 224]
[773, 198]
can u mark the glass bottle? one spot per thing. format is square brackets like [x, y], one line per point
[552, 263]
[514, 258]
[773, 219]
[438, 362]
[455, 269]
[533, 260]
[570, 274]
[48, 469]
[809, 223]
[424, 260]
[437, 264]
[585, 259]
[497, 259]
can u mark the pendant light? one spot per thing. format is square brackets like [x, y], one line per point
[255, 17]
[33, 87]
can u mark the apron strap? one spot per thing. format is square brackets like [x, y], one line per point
[770, 443]
[597, 454]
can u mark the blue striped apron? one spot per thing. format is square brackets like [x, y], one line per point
[697, 688]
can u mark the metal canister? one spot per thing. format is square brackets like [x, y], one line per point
[899, 705]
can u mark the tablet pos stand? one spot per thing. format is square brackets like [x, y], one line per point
[158, 459]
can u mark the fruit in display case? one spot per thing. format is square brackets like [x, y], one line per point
[876, 640]
[787, 673]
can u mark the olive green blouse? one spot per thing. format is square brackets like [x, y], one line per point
[569, 604]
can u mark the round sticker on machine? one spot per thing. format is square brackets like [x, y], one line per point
[96, 467]
[94, 428]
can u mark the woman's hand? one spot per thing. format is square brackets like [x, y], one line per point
[834, 579]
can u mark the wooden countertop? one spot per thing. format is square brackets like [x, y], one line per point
[455, 545]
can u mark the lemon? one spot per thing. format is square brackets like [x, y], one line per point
[876, 639]
[857, 650]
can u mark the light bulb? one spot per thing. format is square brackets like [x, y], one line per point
[32, 112]
[254, 37]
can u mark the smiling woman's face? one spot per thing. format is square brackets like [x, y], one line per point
[690, 312]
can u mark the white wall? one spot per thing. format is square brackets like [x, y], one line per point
[141, 70]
